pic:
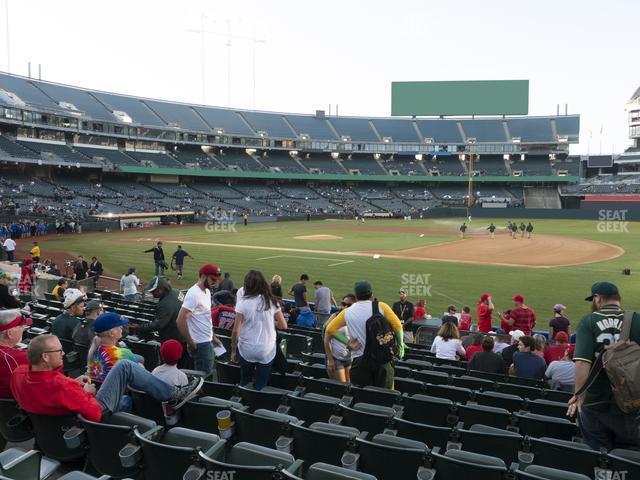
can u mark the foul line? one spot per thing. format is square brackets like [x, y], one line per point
[338, 262]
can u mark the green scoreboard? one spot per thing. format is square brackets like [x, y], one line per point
[465, 97]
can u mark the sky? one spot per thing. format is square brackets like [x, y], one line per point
[300, 56]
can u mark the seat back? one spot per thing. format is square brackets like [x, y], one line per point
[540, 426]
[431, 435]
[144, 405]
[537, 472]
[366, 420]
[392, 457]
[166, 456]
[49, 432]
[313, 407]
[547, 407]
[375, 395]
[324, 471]
[150, 351]
[219, 389]
[513, 403]
[427, 409]
[14, 424]
[228, 372]
[201, 414]
[313, 445]
[564, 455]
[268, 398]
[486, 440]
[460, 464]
[107, 439]
[455, 394]
[258, 429]
[408, 386]
[325, 386]
[492, 416]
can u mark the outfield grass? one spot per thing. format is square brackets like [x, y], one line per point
[447, 282]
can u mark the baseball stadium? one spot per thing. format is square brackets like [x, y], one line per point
[459, 200]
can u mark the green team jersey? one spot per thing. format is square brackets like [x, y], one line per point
[595, 331]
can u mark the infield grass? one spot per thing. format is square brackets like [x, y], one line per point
[440, 283]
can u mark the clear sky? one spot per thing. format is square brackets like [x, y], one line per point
[347, 53]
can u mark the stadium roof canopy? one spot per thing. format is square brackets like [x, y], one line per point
[94, 106]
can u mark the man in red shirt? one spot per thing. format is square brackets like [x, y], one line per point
[12, 324]
[42, 389]
[557, 351]
[485, 309]
[520, 317]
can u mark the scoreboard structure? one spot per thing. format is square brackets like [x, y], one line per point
[464, 97]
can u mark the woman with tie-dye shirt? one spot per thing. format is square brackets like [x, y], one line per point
[104, 352]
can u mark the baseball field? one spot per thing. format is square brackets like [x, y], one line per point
[427, 257]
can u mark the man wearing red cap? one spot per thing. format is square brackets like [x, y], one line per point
[485, 309]
[194, 318]
[557, 351]
[12, 325]
[520, 317]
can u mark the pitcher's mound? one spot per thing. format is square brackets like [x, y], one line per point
[541, 251]
[318, 237]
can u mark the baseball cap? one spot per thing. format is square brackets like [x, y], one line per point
[484, 296]
[602, 288]
[562, 337]
[93, 305]
[73, 296]
[558, 307]
[109, 320]
[13, 318]
[210, 269]
[171, 351]
[157, 282]
[516, 334]
[518, 298]
[362, 288]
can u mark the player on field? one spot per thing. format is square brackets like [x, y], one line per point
[529, 230]
[177, 260]
[492, 229]
[463, 229]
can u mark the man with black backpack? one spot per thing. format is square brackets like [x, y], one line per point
[376, 338]
[607, 357]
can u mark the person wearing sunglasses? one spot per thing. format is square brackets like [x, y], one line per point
[12, 325]
[42, 389]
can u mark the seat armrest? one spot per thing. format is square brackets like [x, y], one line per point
[295, 468]
[216, 452]
[152, 433]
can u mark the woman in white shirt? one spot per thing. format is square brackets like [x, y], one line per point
[447, 343]
[253, 341]
[129, 285]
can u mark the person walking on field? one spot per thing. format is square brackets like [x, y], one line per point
[529, 230]
[463, 229]
[523, 227]
[177, 260]
[492, 230]
[158, 259]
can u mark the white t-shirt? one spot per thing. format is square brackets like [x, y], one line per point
[9, 245]
[447, 349]
[129, 284]
[257, 339]
[170, 374]
[198, 302]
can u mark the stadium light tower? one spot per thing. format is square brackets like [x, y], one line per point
[470, 160]
[203, 31]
